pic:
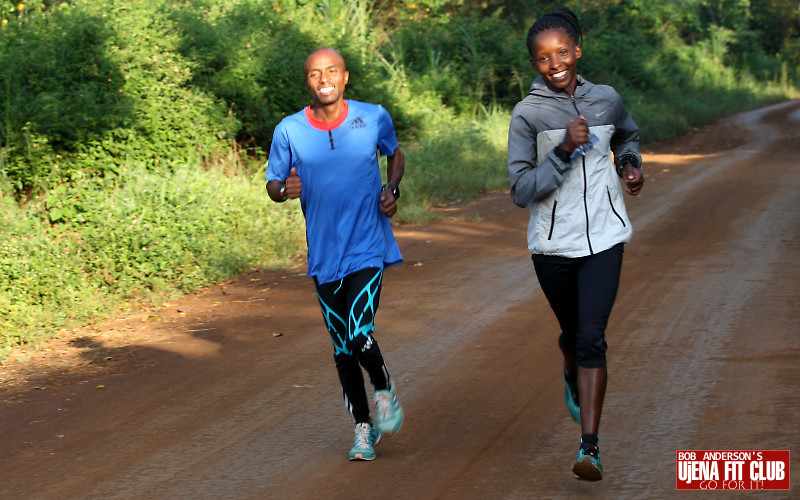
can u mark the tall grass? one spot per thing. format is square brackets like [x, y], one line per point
[459, 160]
[147, 238]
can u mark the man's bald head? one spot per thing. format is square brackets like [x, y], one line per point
[323, 51]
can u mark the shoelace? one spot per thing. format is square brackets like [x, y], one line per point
[384, 404]
[362, 436]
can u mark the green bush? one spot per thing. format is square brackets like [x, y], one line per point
[459, 160]
[146, 236]
[466, 62]
[251, 57]
[90, 87]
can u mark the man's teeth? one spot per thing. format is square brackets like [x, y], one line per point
[326, 90]
[560, 74]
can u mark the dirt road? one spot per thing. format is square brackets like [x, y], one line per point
[232, 393]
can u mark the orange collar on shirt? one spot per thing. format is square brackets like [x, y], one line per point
[326, 126]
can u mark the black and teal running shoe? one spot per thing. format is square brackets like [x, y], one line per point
[587, 464]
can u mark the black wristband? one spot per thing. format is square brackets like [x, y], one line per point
[627, 159]
[395, 190]
[561, 154]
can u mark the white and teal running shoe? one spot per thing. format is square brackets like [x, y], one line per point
[390, 414]
[367, 436]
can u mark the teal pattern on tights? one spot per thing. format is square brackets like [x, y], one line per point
[347, 333]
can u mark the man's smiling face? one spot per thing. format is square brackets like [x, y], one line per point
[326, 76]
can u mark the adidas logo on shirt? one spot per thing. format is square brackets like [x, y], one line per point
[358, 123]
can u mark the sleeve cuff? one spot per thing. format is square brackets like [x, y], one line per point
[625, 159]
[561, 154]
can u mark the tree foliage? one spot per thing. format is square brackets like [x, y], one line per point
[90, 86]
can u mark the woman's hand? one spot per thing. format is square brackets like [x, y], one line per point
[577, 133]
[633, 179]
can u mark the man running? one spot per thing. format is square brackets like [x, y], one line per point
[327, 155]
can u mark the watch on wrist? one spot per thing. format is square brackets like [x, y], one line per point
[627, 159]
[394, 188]
[283, 192]
[562, 154]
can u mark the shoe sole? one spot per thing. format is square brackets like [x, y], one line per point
[586, 469]
[360, 457]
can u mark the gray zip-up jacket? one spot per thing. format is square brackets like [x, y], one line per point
[576, 207]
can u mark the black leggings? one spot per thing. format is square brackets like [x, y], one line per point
[349, 306]
[581, 291]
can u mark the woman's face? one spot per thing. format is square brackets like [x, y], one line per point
[556, 58]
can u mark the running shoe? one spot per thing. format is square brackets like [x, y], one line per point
[390, 414]
[587, 464]
[367, 436]
[571, 399]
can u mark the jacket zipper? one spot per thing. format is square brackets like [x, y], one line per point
[552, 220]
[613, 209]
[585, 188]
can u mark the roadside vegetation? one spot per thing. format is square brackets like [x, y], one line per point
[133, 135]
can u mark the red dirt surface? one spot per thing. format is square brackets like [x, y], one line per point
[231, 392]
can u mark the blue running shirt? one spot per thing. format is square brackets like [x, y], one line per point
[345, 229]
